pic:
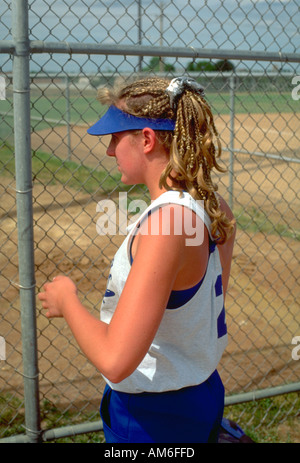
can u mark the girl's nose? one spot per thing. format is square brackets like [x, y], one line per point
[110, 149]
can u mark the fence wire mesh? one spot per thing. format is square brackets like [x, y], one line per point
[245, 55]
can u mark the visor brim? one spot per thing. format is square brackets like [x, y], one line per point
[115, 120]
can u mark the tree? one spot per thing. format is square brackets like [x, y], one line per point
[224, 65]
[154, 65]
[205, 66]
[208, 66]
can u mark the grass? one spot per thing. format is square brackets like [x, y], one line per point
[269, 420]
[51, 170]
[12, 419]
[272, 420]
[256, 220]
[82, 110]
[253, 103]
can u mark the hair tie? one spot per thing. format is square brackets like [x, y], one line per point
[178, 85]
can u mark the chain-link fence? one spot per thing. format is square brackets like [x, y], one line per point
[54, 56]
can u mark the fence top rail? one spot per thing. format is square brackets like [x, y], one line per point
[39, 46]
[212, 74]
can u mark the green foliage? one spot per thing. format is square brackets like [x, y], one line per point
[224, 65]
[155, 63]
[209, 66]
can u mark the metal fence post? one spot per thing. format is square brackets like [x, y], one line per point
[231, 148]
[68, 116]
[21, 99]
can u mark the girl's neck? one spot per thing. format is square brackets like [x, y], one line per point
[155, 192]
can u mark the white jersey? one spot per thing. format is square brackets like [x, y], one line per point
[191, 338]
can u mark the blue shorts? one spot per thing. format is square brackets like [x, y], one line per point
[188, 415]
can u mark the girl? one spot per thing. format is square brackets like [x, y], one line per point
[162, 330]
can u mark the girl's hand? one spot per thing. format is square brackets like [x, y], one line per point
[56, 294]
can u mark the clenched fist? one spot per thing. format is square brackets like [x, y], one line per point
[56, 294]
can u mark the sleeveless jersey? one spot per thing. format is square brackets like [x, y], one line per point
[191, 338]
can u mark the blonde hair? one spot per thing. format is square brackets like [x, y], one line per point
[194, 146]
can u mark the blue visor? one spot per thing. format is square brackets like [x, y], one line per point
[115, 120]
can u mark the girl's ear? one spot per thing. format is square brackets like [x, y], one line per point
[149, 139]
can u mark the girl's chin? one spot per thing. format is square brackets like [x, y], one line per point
[126, 181]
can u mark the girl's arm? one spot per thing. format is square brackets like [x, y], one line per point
[118, 348]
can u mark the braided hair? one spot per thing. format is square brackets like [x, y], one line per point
[194, 146]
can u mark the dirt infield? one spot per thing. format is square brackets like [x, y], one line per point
[262, 303]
